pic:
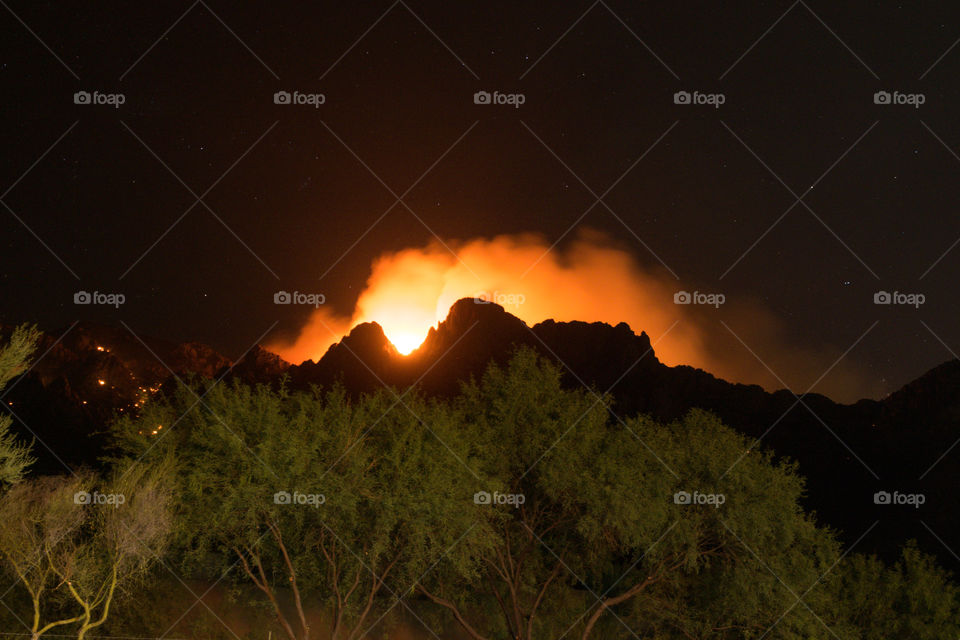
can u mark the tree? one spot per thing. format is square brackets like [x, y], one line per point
[14, 357]
[598, 528]
[311, 496]
[533, 501]
[73, 542]
[914, 598]
[742, 557]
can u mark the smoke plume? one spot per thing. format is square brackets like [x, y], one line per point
[592, 280]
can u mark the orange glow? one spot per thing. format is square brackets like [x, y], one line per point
[588, 279]
[403, 296]
[411, 290]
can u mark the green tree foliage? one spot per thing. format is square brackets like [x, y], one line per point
[15, 355]
[340, 504]
[599, 537]
[519, 509]
[914, 598]
[742, 565]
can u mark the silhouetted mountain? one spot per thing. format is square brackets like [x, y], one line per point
[363, 361]
[257, 366]
[847, 452]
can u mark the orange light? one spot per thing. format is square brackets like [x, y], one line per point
[588, 278]
[101, 382]
[411, 290]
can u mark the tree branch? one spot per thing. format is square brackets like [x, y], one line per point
[456, 612]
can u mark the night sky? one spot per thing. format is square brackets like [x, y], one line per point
[294, 197]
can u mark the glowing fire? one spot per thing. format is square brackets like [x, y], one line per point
[411, 290]
[405, 340]
[406, 304]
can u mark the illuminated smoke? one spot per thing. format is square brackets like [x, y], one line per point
[409, 291]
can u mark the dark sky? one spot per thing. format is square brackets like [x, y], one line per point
[284, 197]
